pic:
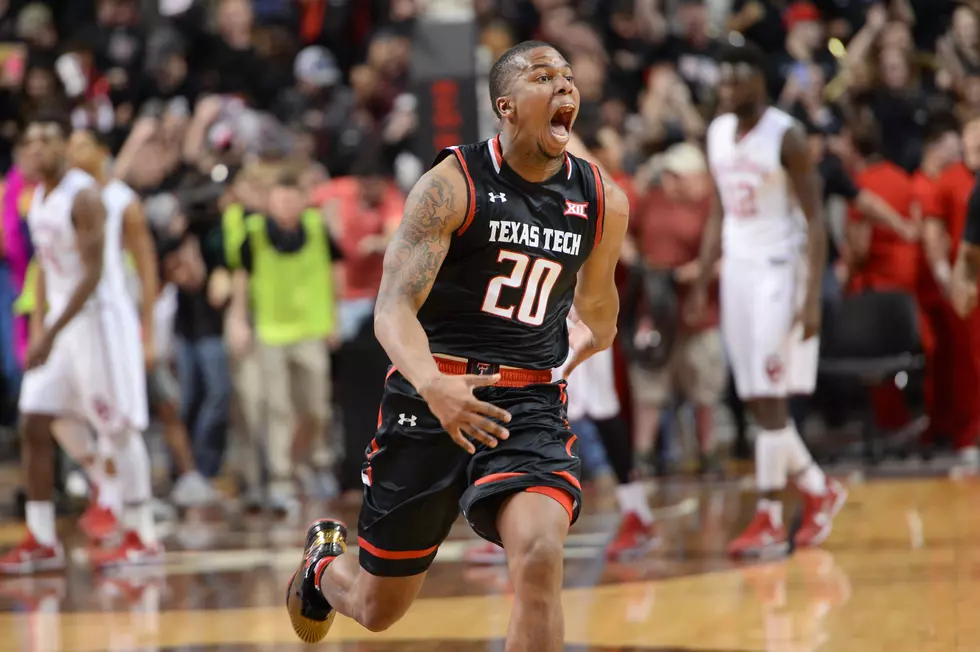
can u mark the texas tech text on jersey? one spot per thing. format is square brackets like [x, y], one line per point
[505, 288]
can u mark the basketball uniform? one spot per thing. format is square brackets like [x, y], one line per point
[498, 305]
[764, 263]
[95, 369]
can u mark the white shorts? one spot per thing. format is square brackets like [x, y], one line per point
[760, 299]
[592, 388]
[95, 372]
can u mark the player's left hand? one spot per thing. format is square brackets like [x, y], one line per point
[39, 350]
[963, 295]
[809, 317]
[584, 344]
[149, 355]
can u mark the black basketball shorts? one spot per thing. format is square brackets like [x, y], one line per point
[416, 479]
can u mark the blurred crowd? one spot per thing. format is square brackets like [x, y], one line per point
[258, 129]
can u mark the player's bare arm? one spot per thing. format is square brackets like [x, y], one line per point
[708, 260]
[139, 243]
[806, 183]
[435, 208]
[596, 297]
[88, 216]
[40, 310]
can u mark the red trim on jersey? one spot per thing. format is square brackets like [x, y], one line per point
[568, 164]
[497, 152]
[470, 196]
[600, 207]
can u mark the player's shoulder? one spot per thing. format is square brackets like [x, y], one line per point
[722, 122]
[465, 153]
[76, 180]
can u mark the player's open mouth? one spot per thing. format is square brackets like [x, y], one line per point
[561, 122]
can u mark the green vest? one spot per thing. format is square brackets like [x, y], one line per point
[24, 304]
[292, 293]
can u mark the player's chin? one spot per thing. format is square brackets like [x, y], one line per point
[555, 140]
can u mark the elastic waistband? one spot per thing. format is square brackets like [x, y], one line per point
[509, 376]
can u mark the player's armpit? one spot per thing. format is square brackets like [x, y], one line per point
[436, 207]
[88, 216]
[596, 296]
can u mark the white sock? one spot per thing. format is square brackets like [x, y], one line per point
[632, 497]
[770, 460]
[109, 486]
[40, 521]
[774, 508]
[133, 467]
[810, 478]
[138, 518]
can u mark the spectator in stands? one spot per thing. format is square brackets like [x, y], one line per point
[667, 225]
[286, 277]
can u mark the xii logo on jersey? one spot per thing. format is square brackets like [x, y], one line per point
[577, 208]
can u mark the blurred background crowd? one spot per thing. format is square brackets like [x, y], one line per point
[242, 123]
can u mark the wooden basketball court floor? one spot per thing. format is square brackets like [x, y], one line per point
[900, 573]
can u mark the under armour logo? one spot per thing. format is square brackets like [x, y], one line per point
[404, 420]
[494, 197]
[577, 208]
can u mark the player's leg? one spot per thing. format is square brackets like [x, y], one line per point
[533, 528]
[524, 494]
[637, 532]
[111, 381]
[757, 314]
[413, 478]
[101, 520]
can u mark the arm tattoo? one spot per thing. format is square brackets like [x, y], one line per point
[417, 249]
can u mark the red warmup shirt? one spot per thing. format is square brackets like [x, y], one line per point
[949, 203]
[668, 235]
[892, 263]
[924, 189]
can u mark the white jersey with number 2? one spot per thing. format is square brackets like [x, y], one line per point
[762, 214]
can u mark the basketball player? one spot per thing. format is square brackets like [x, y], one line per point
[498, 241]
[85, 360]
[769, 228]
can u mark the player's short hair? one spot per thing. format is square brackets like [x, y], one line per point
[748, 53]
[51, 115]
[507, 66]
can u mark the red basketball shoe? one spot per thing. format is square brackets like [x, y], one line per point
[633, 539]
[819, 513]
[98, 523]
[131, 551]
[31, 557]
[760, 539]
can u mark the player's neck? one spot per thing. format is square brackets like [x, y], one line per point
[526, 160]
[52, 180]
[748, 120]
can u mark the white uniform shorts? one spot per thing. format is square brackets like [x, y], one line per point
[95, 372]
[760, 299]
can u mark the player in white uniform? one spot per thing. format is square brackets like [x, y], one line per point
[769, 228]
[85, 362]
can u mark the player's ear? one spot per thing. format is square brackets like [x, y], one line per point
[505, 107]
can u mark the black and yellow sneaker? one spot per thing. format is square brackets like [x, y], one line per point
[309, 612]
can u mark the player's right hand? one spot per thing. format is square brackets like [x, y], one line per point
[461, 414]
[38, 351]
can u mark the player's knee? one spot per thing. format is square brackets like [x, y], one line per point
[536, 562]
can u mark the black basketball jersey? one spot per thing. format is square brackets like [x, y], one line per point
[505, 288]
